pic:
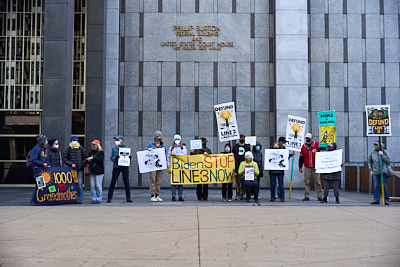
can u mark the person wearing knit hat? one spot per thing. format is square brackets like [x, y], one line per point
[176, 149]
[39, 159]
[75, 157]
[54, 153]
[155, 176]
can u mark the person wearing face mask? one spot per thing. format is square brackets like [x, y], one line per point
[156, 176]
[202, 189]
[75, 157]
[333, 178]
[277, 175]
[251, 185]
[39, 159]
[307, 157]
[258, 157]
[227, 150]
[119, 142]
[375, 171]
[177, 149]
[238, 151]
[96, 171]
[54, 153]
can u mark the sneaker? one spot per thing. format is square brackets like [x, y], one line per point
[386, 203]
[108, 200]
[337, 200]
[181, 199]
[375, 202]
[320, 199]
[306, 199]
[256, 203]
[154, 199]
[129, 200]
[93, 202]
[173, 198]
[325, 200]
[229, 199]
[159, 199]
[223, 199]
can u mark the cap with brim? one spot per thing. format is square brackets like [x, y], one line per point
[308, 135]
[282, 139]
[204, 139]
[119, 137]
[95, 142]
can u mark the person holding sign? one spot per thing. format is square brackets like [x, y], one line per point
[227, 150]
[119, 143]
[54, 153]
[202, 189]
[333, 178]
[249, 170]
[258, 157]
[375, 171]
[307, 157]
[96, 171]
[177, 149]
[277, 175]
[156, 176]
[238, 152]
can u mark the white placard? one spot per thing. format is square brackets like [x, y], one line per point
[40, 182]
[295, 130]
[249, 173]
[276, 159]
[124, 153]
[226, 121]
[196, 144]
[153, 160]
[328, 161]
[251, 140]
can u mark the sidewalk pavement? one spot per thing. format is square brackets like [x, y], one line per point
[193, 233]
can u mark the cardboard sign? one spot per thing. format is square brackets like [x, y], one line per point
[251, 140]
[57, 186]
[249, 173]
[202, 169]
[378, 120]
[276, 159]
[124, 154]
[153, 160]
[295, 131]
[328, 161]
[327, 127]
[226, 122]
[196, 144]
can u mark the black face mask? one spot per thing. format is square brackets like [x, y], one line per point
[241, 141]
[308, 140]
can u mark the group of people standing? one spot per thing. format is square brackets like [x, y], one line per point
[47, 154]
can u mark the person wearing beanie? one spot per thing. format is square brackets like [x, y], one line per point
[155, 176]
[202, 189]
[307, 157]
[374, 167]
[331, 178]
[251, 185]
[176, 149]
[39, 159]
[75, 157]
[96, 171]
[54, 153]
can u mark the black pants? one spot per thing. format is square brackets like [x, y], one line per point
[202, 191]
[251, 189]
[229, 186]
[125, 177]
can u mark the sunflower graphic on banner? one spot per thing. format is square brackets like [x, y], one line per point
[226, 121]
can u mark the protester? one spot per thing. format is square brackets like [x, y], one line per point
[238, 152]
[75, 157]
[177, 149]
[156, 176]
[251, 185]
[273, 176]
[374, 167]
[119, 143]
[225, 186]
[333, 178]
[54, 153]
[258, 157]
[202, 189]
[307, 157]
[39, 159]
[96, 171]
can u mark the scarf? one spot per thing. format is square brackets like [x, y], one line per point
[74, 147]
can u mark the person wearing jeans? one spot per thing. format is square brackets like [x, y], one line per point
[375, 171]
[96, 169]
[273, 176]
[177, 149]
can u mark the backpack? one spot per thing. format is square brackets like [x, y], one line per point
[28, 159]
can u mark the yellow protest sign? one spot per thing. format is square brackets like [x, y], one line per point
[202, 169]
[328, 134]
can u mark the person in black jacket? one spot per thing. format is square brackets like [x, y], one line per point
[227, 150]
[258, 157]
[277, 174]
[238, 152]
[96, 168]
[75, 157]
[54, 153]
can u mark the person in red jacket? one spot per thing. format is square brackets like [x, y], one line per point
[307, 157]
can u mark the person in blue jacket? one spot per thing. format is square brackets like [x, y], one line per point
[119, 142]
[39, 159]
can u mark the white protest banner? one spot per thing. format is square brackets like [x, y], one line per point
[196, 144]
[276, 159]
[124, 153]
[249, 173]
[226, 121]
[328, 161]
[378, 120]
[251, 140]
[296, 127]
[153, 160]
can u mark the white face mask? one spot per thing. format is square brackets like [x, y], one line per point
[177, 141]
[74, 143]
[56, 146]
[117, 143]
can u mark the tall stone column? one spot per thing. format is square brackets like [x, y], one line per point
[291, 65]
[57, 70]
